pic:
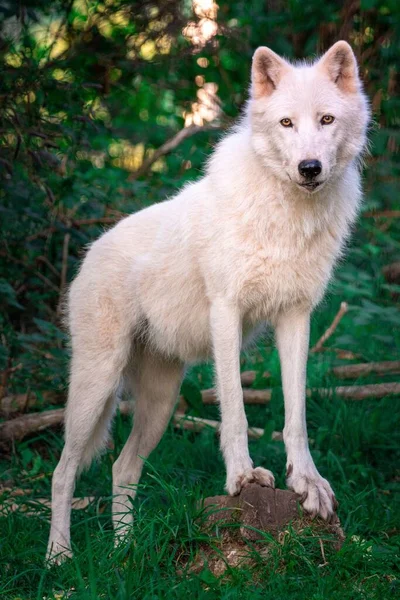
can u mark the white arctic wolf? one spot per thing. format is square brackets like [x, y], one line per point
[254, 240]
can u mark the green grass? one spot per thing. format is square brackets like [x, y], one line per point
[354, 444]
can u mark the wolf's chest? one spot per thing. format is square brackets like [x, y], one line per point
[270, 284]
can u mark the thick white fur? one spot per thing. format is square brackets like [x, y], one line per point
[192, 277]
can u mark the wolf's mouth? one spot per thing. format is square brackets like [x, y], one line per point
[310, 185]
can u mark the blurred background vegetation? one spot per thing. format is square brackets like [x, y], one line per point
[91, 90]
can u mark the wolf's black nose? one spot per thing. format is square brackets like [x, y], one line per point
[310, 168]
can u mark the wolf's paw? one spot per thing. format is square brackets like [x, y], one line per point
[122, 534]
[57, 553]
[317, 497]
[237, 482]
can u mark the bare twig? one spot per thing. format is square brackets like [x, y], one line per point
[341, 312]
[46, 261]
[48, 189]
[76, 223]
[42, 233]
[321, 544]
[169, 145]
[28, 267]
[98, 221]
[47, 281]
[64, 267]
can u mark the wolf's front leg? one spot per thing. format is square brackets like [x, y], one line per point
[226, 335]
[292, 336]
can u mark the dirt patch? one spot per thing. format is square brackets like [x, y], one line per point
[238, 526]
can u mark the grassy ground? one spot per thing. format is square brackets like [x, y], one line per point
[354, 444]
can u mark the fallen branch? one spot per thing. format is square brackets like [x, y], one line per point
[351, 392]
[21, 402]
[248, 377]
[385, 214]
[182, 421]
[341, 312]
[169, 145]
[361, 392]
[364, 369]
[20, 427]
[342, 372]
[33, 508]
[250, 396]
[18, 403]
[343, 354]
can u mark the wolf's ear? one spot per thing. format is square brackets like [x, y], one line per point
[340, 64]
[266, 72]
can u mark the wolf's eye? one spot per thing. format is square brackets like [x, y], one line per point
[286, 123]
[327, 120]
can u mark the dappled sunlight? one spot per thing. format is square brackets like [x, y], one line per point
[205, 28]
[207, 108]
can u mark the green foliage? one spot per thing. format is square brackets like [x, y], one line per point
[88, 91]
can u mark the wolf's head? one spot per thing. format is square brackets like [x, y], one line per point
[308, 121]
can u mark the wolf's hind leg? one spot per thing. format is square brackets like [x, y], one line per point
[154, 382]
[95, 375]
